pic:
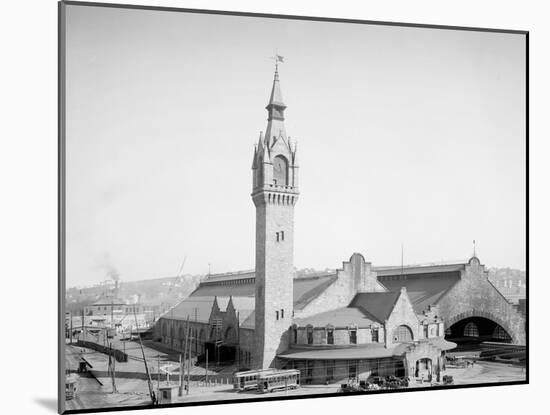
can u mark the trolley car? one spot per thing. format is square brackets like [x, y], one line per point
[247, 379]
[279, 379]
[266, 380]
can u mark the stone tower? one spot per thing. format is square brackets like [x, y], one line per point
[274, 192]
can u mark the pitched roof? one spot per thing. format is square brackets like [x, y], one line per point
[423, 290]
[237, 285]
[432, 267]
[375, 350]
[197, 308]
[276, 97]
[377, 305]
[308, 288]
[340, 317]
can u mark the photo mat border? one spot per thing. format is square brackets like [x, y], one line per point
[62, 181]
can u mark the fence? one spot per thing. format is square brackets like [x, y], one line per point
[119, 355]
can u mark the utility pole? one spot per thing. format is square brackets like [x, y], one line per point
[206, 368]
[112, 318]
[180, 392]
[149, 382]
[82, 322]
[238, 340]
[188, 367]
[112, 367]
[182, 366]
[158, 377]
[71, 328]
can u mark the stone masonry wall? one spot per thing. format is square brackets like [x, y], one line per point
[474, 295]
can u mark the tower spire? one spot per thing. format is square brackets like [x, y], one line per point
[276, 106]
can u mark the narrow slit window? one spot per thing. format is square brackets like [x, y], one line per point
[282, 235]
[277, 236]
[277, 315]
[282, 313]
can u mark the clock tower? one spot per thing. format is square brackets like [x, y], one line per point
[274, 192]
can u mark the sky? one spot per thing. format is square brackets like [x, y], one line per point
[405, 136]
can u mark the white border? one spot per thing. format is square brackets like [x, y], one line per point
[29, 204]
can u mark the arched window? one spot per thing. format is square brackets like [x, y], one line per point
[501, 334]
[280, 171]
[402, 334]
[471, 330]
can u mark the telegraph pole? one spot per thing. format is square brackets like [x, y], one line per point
[188, 350]
[182, 364]
[180, 392]
[158, 377]
[206, 368]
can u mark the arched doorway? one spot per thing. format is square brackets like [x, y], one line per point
[472, 330]
[423, 369]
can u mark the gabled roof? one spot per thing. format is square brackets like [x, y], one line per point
[340, 317]
[197, 308]
[423, 290]
[432, 267]
[378, 305]
[241, 284]
[308, 288]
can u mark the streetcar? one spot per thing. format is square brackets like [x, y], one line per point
[247, 379]
[279, 379]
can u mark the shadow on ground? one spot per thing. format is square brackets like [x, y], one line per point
[48, 403]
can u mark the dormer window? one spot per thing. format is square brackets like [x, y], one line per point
[330, 336]
[310, 335]
[353, 336]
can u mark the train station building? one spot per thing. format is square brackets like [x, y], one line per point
[355, 322]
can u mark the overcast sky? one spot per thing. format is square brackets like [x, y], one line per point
[405, 135]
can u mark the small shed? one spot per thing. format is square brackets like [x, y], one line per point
[71, 386]
[168, 392]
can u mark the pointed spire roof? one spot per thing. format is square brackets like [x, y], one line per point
[276, 97]
[276, 106]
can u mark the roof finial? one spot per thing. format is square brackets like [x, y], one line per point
[474, 243]
[277, 58]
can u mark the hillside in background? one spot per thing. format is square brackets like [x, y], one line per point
[163, 293]
[510, 282]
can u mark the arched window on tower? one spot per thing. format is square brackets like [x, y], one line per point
[280, 171]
